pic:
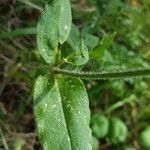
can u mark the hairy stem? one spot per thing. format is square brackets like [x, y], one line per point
[17, 32]
[103, 75]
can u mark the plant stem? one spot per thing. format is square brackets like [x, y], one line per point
[104, 75]
[17, 32]
[3, 140]
[121, 103]
[27, 2]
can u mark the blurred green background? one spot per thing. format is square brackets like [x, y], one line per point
[120, 109]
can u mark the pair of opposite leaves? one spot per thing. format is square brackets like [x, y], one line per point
[61, 106]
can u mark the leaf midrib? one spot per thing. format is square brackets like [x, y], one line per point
[64, 114]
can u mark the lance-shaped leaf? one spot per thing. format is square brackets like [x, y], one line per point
[53, 28]
[62, 113]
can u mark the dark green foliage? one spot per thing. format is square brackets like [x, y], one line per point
[62, 113]
[144, 138]
[90, 48]
[53, 28]
[117, 131]
[99, 125]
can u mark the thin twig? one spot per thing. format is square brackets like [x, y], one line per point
[27, 2]
[6, 58]
[17, 32]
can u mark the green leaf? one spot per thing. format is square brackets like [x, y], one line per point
[117, 130]
[53, 28]
[62, 113]
[99, 51]
[144, 138]
[99, 125]
[74, 38]
[91, 41]
[95, 143]
[80, 54]
[108, 57]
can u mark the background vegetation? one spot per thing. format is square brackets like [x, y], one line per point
[125, 99]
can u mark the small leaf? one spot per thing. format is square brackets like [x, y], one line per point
[62, 113]
[99, 125]
[80, 54]
[74, 38]
[108, 57]
[81, 57]
[95, 143]
[53, 28]
[99, 51]
[91, 41]
[144, 138]
[117, 130]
